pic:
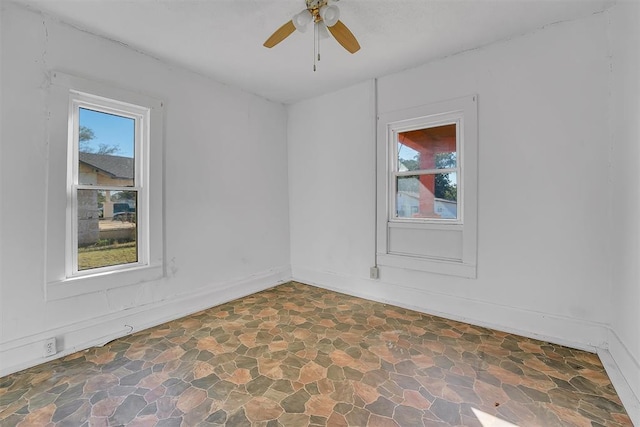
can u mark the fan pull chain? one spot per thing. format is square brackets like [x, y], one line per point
[316, 46]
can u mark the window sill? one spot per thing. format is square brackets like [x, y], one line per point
[429, 265]
[413, 224]
[74, 286]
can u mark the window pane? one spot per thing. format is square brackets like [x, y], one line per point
[432, 196]
[429, 148]
[107, 228]
[106, 149]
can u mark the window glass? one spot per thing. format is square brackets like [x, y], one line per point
[426, 179]
[429, 148]
[106, 192]
[107, 228]
[106, 145]
[425, 196]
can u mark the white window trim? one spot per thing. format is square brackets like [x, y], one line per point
[66, 93]
[141, 117]
[466, 110]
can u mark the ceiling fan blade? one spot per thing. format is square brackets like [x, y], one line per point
[280, 34]
[345, 37]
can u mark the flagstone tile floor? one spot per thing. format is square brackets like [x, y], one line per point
[297, 355]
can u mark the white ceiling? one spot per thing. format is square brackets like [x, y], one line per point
[223, 38]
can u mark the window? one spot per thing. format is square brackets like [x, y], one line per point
[425, 173]
[104, 187]
[427, 191]
[107, 188]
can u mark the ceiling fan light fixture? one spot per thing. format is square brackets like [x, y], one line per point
[327, 16]
[301, 20]
[323, 32]
[330, 15]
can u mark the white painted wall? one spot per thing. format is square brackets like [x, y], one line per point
[624, 341]
[545, 101]
[331, 185]
[1, 202]
[542, 136]
[226, 202]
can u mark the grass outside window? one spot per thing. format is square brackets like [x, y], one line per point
[94, 257]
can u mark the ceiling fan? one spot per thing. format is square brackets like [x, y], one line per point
[324, 16]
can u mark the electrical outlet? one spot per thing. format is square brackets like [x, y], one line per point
[50, 347]
[374, 273]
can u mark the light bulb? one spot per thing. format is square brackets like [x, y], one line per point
[323, 33]
[300, 20]
[330, 15]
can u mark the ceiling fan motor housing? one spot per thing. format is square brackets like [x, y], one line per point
[315, 4]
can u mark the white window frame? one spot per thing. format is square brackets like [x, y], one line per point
[140, 115]
[61, 278]
[408, 243]
[427, 122]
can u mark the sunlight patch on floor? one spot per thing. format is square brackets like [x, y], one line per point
[488, 420]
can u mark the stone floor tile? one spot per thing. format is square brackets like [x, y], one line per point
[296, 355]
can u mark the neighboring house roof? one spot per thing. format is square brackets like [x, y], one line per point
[116, 166]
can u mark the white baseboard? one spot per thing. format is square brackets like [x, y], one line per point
[624, 371]
[560, 330]
[26, 352]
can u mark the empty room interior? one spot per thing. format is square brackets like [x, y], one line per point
[312, 212]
